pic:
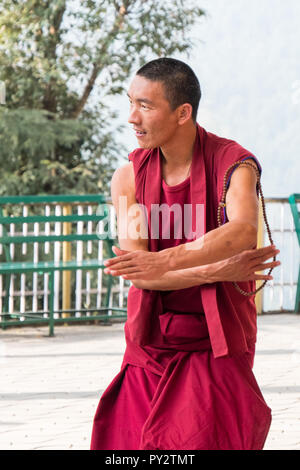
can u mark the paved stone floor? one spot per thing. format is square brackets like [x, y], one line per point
[50, 387]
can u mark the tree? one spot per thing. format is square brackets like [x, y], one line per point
[61, 61]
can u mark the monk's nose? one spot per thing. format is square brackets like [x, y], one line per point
[134, 116]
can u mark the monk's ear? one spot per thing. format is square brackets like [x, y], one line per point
[184, 113]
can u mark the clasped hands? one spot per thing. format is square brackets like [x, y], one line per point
[145, 265]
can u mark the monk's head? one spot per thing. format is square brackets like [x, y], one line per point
[164, 95]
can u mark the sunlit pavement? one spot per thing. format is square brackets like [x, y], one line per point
[50, 387]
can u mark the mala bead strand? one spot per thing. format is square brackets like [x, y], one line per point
[222, 204]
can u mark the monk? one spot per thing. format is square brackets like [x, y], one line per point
[186, 380]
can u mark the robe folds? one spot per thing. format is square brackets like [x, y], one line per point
[186, 380]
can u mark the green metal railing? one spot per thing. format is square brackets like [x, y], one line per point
[47, 288]
[72, 231]
[293, 199]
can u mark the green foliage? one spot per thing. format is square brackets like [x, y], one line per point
[61, 60]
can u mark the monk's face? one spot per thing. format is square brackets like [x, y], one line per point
[153, 120]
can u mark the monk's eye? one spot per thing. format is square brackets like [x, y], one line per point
[144, 106]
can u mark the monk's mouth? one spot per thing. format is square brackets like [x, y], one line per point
[139, 133]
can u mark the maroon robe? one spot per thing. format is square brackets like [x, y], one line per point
[186, 379]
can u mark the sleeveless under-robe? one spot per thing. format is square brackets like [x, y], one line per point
[180, 232]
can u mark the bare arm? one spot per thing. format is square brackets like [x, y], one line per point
[238, 234]
[241, 267]
[237, 268]
[123, 190]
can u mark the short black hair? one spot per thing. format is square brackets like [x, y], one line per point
[180, 82]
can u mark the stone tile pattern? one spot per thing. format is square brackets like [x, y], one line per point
[50, 387]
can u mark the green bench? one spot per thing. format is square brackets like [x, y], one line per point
[293, 199]
[27, 231]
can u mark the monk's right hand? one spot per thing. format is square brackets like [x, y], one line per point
[245, 266]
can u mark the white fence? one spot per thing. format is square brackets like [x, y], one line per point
[88, 286]
[278, 295]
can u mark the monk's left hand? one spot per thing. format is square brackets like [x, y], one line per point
[139, 264]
